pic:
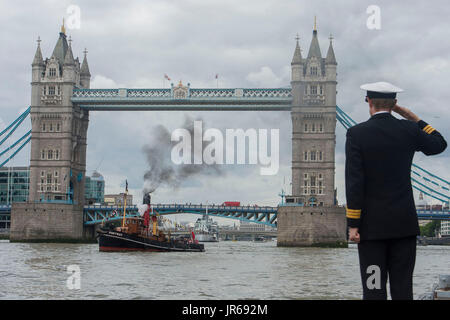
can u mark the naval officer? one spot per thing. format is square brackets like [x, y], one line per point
[381, 213]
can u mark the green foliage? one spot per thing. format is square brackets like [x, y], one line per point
[430, 229]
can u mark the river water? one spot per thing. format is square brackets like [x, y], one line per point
[226, 270]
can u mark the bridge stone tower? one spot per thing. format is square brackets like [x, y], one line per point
[311, 215]
[58, 149]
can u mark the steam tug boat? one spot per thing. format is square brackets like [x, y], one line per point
[135, 235]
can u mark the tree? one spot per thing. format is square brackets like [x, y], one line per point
[430, 229]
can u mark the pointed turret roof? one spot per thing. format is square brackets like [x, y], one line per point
[85, 66]
[68, 59]
[61, 48]
[297, 59]
[330, 59]
[38, 60]
[314, 48]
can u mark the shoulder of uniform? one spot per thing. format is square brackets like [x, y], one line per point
[357, 127]
[414, 126]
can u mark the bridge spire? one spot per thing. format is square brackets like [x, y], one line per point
[38, 60]
[68, 59]
[331, 58]
[63, 28]
[85, 74]
[297, 59]
[314, 48]
[84, 66]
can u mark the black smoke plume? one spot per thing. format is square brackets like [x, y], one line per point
[162, 171]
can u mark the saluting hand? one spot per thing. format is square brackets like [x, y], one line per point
[353, 235]
[405, 113]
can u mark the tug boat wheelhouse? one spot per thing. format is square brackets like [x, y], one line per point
[135, 235]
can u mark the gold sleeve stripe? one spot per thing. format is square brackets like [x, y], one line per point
[353, 213]
[353, 216]
[428, 129]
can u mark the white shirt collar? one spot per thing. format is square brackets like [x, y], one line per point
[380, 112]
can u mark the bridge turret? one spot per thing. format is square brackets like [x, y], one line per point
[330, 74]
[312, 216]
[313, 125]
[38, 66]
[85, 75]
[54, 209]
[297, 62]
[58, 145]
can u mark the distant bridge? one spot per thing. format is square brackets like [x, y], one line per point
[262, 215]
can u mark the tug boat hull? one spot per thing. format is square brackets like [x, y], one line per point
[112, 241]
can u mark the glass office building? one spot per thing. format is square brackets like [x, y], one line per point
[14, 184]
[15, 181]
[94, 189]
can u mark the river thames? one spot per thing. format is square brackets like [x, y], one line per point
[226, 270]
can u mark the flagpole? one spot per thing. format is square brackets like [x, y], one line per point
[125, 203]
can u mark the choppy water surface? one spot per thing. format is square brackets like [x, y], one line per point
[227, 270]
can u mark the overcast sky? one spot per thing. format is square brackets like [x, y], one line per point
[133, 44]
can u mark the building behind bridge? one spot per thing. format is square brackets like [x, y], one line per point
[15, 182]
[117, 199]
[254, 227]
[94, 188]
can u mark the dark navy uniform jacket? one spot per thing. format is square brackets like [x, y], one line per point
[379, 154]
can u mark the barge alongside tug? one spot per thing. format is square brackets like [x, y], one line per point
[135, 234]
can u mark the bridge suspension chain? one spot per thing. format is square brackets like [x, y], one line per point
[11, 128]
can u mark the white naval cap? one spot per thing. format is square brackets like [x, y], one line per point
[381, 90]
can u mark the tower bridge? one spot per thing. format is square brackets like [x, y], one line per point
[61, 99]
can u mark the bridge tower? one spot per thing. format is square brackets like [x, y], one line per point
[58, 148]
[311, 216]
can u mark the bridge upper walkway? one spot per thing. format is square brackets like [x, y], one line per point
[224, 99]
